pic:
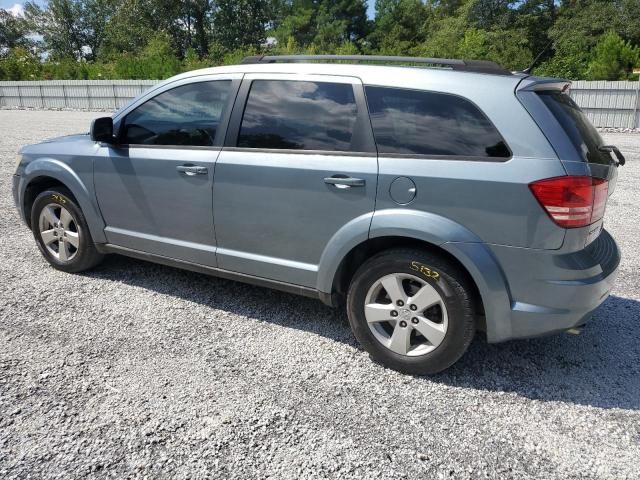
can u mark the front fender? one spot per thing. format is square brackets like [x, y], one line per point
[60, 171]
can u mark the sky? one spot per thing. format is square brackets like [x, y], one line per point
[11, 6]
[17, 6]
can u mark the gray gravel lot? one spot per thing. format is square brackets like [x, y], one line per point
[139, 370]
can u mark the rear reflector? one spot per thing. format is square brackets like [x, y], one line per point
[572, 201]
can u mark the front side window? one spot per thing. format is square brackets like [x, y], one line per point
[429, 123]
[299, 115]
[183, 116]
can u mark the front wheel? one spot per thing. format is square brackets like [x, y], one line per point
[61, 232]
[412, 311]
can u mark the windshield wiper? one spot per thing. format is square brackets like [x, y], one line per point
[616, 151]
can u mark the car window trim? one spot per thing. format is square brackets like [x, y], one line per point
[428, 156]
[362, 123]
[127, 146]
[340, 153]
[222, 122]
[454, 158]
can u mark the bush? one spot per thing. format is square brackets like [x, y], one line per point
[20, 64]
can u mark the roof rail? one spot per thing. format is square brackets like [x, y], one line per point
[478, 66]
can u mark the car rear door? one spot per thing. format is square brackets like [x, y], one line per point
[155, 186]
[299, 163]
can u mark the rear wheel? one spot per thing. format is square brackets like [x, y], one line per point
[412, 311]
[61, 232]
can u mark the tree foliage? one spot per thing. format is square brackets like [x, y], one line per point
[612, 58]
[13, 32]
[577, 39]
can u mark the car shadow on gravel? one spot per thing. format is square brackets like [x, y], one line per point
[600, 367]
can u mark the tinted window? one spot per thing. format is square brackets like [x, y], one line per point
[186, 115]
[574, 122]
[411, 121]
[299, 115]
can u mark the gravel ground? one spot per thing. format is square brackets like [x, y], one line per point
[139, 370]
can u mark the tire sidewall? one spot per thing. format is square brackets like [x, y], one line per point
[63, 199]
[442, 279]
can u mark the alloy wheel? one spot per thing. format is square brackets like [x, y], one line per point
[59, 232]
[406, 314]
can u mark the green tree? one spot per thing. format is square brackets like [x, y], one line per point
[187, 23]
[13, 32]
[158, 60]
[612, 58]
[398, 26]
[534, 18]
[70, 28]
[579, 25]
[124, 36]
[297, 23]
[241, 23]
[629, 14]
[156, 38]
[325, 24]
[200, 25]
[488, 14]
[60, 26]
[445, 29]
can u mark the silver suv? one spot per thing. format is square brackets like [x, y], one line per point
[433, 202]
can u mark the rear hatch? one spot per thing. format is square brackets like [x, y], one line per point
[578, 202]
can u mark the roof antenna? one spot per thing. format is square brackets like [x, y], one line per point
[537, 59]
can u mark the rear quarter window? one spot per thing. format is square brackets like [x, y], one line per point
[430, 123]
[583, 135]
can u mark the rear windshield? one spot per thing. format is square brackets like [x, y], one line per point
[577, 126]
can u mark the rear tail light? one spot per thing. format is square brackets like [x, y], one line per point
[572, 201]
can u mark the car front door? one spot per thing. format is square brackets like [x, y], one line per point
[154, 187]
[299, 163]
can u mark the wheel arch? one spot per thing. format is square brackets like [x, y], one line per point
[34, 188]
[42, 174]
[414, 229]
[372, 246]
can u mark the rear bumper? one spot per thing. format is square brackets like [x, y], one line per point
[552, 291]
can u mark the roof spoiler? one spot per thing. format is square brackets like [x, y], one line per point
[537, 84]
[476, 66]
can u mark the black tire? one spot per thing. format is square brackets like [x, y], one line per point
[448, 281]
[86, 256]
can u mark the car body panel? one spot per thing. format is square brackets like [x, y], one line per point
[559, 291]
[473, 193]
[68, 160]
[268, 217]
[147, 204]
[274, 211]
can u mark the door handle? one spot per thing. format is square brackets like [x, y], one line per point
[192, 170]
[342, 181]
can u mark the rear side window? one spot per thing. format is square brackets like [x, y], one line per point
[429, 123]
[183, 116]
[583, 135]
[297, 115]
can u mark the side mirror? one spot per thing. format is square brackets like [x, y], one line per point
[102, 130]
